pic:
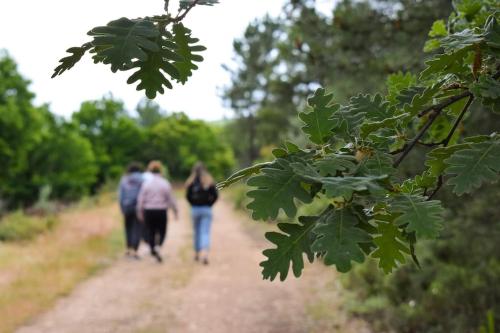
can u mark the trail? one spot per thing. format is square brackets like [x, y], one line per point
[180, 295]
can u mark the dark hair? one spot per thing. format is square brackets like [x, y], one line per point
[134, 167]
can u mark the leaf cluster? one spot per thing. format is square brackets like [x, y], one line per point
[351, 160]
[158, 49]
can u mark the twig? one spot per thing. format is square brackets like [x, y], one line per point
[446, 141]
[429, 144]
[412, 144]
[438, 187]
[445, 103]
[180, 16]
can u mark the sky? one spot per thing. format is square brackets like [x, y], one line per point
[37, 33]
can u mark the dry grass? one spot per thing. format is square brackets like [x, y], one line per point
[34, 274]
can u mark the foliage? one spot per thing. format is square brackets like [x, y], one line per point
[41, 152]
[159, 48]
[36, 148]
[377, 211]
[453, 290]
[279, 61]
[65, 161]
[18, 226]
[180, 142]
[115, 137]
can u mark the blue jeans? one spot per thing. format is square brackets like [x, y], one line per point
[202, 221]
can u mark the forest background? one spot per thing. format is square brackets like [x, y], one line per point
[278, 62]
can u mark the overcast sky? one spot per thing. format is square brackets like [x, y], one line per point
[37, 33]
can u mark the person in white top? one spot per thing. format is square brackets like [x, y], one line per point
[155, 198]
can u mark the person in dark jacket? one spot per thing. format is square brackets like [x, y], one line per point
[201, 194]
[129, 188]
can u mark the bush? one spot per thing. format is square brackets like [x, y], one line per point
[456, 286]
[19, 226]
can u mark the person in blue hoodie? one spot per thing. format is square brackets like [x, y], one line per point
[129, 188]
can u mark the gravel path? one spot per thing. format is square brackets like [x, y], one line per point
[179, 295]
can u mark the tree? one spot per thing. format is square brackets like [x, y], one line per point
[180, 142]
[115, 137]
[37, 149]
[64, 161]
[280, 61]
[149, 113]
[20, 133]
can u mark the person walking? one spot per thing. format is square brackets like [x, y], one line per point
[155, 198]
[201, 194]
[128, 192]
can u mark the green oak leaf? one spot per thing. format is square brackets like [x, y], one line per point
[294, 241]
[376, 164]
[373, 126]
[419, 215]
[151, 72]
[468, 8]
[436, 158]
[340, 186]
[488, 89]
[460, 40]
[185, 4]
[446, 63]
[277, 187]
[349, 118]
[469, 168]
[333, 163]
[415, 99]
[68, 62]
[243, 173]
[374, 108]
[338, 237]
[391, 247]
[187, 51]
[438, 29]
[420, 182]
[492, 33]
[319, 122]
[122, 41]
[396, 83]
[347, 186]
[431, 45]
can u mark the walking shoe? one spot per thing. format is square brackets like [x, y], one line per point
[157, 256]
[205, 261]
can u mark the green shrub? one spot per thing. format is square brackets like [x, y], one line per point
[237, 194]
[18, 226]
[456, 286]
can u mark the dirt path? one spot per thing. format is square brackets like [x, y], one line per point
[181, 296]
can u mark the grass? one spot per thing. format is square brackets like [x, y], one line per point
[182, 275]
[34, 274]
[18, 226]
